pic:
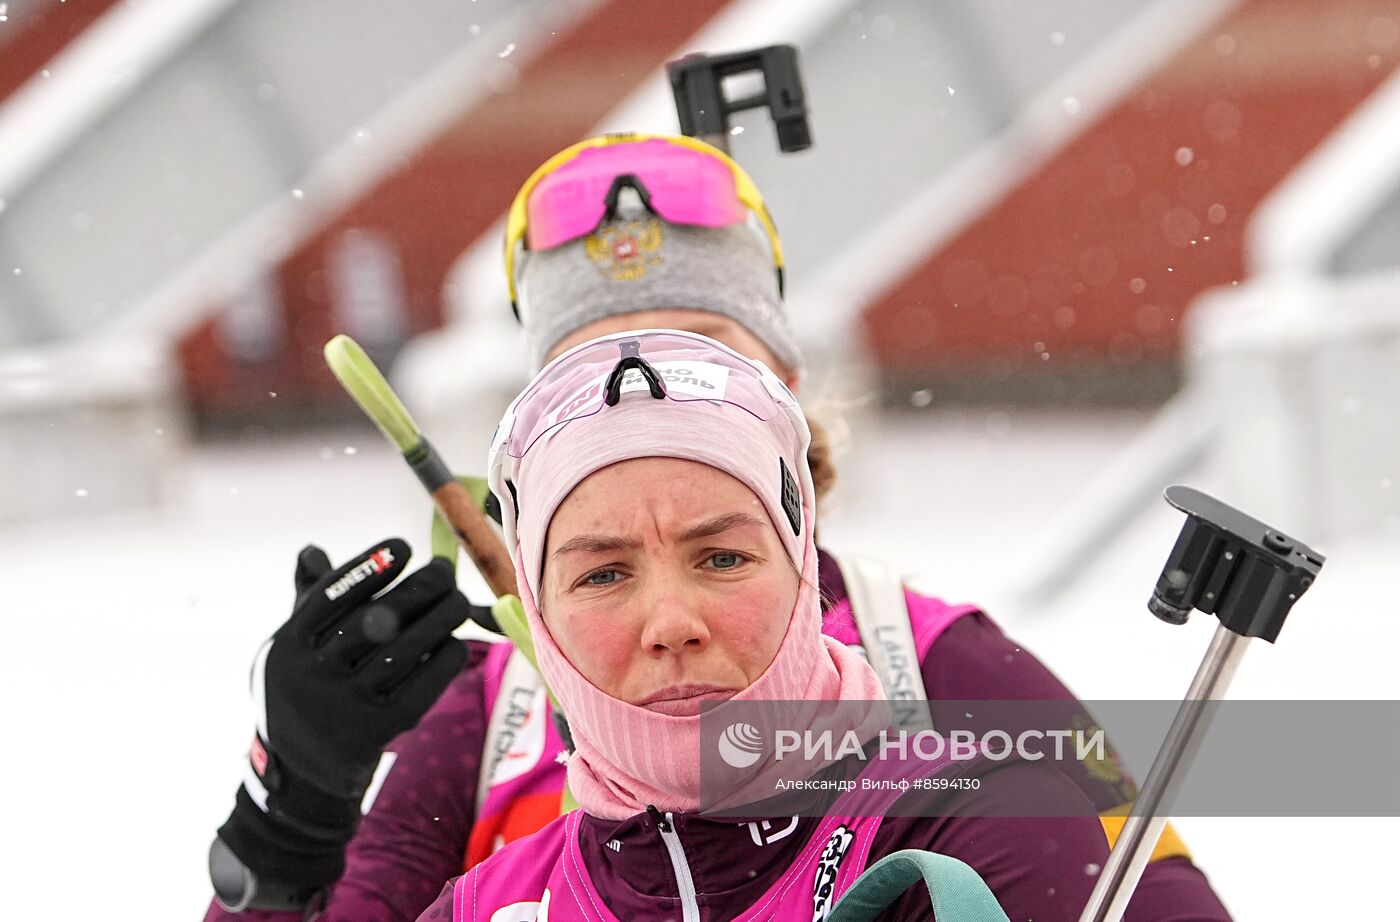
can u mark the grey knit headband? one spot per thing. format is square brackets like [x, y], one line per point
[640, 263]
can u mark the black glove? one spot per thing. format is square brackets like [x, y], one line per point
[347, 673]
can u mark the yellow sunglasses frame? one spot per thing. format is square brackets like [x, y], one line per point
[744, 186]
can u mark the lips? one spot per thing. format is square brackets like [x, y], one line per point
[684, 700]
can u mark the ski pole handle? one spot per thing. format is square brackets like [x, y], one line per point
[366, 384]
[1247, 575]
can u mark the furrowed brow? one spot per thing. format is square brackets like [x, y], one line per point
[721, 523]
[595, 544]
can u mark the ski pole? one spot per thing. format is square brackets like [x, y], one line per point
[1248, 575]
[456, 506]
[364, 382]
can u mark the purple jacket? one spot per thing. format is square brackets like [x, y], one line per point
[416, 835]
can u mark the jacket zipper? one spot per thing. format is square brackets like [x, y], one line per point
[690, 906]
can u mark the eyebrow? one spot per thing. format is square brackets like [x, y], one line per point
[720, 524]
[595, 544]
[706, 529]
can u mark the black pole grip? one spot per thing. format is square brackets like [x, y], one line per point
[1233, 566]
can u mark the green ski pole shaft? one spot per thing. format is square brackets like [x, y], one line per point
[367, 385]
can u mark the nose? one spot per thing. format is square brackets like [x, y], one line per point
[674, 623]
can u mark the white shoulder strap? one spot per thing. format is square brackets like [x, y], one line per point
[882, 619]
[518, 684]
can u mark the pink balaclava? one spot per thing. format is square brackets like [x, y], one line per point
[628, 757]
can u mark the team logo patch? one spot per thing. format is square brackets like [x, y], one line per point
[824, 883]
[763, 833]
[625, 250]
[1105, 766]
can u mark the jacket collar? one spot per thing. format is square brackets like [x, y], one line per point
[732, 862]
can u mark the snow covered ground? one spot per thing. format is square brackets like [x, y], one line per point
[127, 641]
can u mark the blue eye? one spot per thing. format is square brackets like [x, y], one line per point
[725, 560]
[601, 578]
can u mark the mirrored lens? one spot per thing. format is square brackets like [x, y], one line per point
[684, 186]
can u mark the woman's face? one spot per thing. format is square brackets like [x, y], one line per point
[665, 584]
